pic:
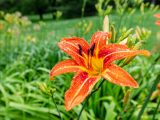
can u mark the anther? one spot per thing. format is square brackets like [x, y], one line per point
[92, 49]
[80, 49]
[88, 51]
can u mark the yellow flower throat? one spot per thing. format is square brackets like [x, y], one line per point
[94, 65]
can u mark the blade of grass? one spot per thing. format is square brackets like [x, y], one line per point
[148, 97]
[59, 113]
[154, 115]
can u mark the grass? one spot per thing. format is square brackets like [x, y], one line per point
[25, 88]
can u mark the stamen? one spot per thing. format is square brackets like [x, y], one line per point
[90, 54]
[92, 49]
[80, 49]
[88, 51]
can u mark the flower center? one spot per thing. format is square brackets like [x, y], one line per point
[97, 64]
[94, 65]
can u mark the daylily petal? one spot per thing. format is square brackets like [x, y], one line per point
[75, 47]
[158, 22]
[110, 48]
[157, 15]
[99, 39]
[114, 52]
[119, 76]
[123, 54]
[81, 87]
[64, 67]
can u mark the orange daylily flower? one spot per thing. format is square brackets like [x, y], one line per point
[158, 22]
[92, 62]
[157, 16]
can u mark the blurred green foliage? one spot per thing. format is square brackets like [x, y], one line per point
[69, 8]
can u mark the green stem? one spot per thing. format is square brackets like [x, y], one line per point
[148, 97]
[59, 113]
[121, 19]
[88, 99]
[150, 67]
[156, 110]
[83, 7]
